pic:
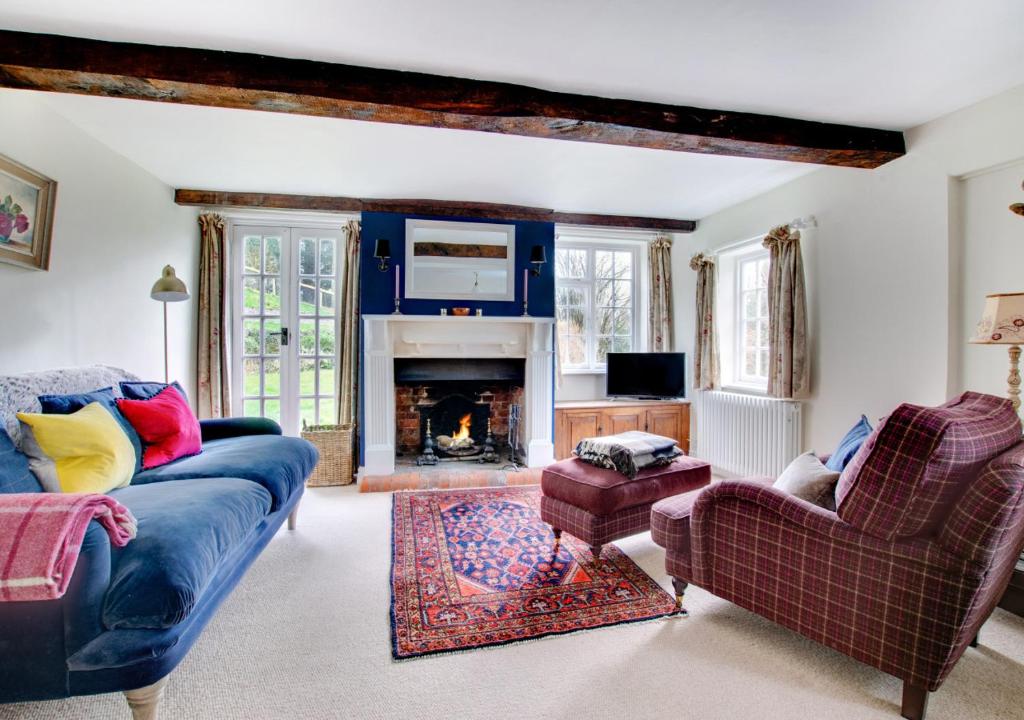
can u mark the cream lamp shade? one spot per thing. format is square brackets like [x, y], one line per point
[169, 288]
[1002, 323]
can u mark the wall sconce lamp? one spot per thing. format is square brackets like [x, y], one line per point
[537, 259]
[383, 253]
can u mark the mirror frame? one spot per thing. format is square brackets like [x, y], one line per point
[410, 260]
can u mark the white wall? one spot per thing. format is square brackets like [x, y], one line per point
[881, 266]
[991, 259]
[115, 227]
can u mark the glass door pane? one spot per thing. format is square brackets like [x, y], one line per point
[264, 255]
[317, 346]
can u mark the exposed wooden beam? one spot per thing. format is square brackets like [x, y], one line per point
[259, 82]
[444, 208]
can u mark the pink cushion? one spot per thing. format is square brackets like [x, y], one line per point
[602, 491]
[166, 425]
[919, 460]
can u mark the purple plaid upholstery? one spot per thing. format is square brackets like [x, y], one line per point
[594, 529]
[905, 476]
[908, 606]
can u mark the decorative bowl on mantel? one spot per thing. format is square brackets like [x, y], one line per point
[460, 311]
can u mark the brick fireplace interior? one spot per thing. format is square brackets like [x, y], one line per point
[458, 396]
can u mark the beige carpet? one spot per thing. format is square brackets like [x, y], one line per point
[306, 636]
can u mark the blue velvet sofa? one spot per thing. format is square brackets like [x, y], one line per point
[131, 614]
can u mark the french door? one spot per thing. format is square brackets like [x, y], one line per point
[285, 283]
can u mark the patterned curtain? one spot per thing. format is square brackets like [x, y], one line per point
[788, 371]
[662, 338]
[705, 344]
[213, 397]
[348, 330]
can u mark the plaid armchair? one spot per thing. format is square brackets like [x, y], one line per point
[928, 528]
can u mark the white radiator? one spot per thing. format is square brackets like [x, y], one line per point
[745, 434]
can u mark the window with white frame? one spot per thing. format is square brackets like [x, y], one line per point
[743, 316]
[752, 319]
[597, 300]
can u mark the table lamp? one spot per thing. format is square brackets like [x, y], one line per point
[168, 288]
[1002, 323]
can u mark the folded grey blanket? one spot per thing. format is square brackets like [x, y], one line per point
[628, 452]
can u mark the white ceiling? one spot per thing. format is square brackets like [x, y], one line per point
[871, 62]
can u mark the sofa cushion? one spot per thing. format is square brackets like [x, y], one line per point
[278, 463]
[166, 425]
[849, 445]
[72, 402]
[919, 460]
[142, 390]
[809, 479]
[86, 451]
[15, 475]
[602, 491]
[186, 529]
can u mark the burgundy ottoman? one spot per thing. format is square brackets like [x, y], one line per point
[599, 505]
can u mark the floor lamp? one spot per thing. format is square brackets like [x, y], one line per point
[168, 289]
[1002, 323]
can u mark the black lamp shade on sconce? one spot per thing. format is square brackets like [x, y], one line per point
[538, 257]
[382, 251]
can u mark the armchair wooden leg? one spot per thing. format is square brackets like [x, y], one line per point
[144, 701]
[974, 642]
[293, 518]
[595, 550]
[915, 701]
[558, 537]
[680, 588]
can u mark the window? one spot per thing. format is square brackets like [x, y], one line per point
[743, 316]
[596, 286]
[752, 320]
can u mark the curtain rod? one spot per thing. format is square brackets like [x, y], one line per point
[802, 223]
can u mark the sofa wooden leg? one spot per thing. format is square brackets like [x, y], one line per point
[974, 642]
[293, 518]
[558, 537]
[144, 701]
[595, 550]
[680, 588]
[915, 701]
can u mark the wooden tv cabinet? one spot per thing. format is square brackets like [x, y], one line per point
[577, 420]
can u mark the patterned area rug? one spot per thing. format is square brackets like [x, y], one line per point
[472, 568]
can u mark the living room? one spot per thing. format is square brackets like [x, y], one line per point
[380, 315]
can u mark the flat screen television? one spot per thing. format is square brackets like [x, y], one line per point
[646, 375]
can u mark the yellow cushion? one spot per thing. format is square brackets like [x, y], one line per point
[86, 451]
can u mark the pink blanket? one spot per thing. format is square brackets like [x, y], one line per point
[41, 535]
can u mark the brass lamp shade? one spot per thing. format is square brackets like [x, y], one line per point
[1002, 322]
[169, 288]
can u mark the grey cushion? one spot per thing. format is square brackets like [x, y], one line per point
[808, 479]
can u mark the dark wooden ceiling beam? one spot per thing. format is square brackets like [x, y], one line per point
[442, 208]
[259, 82]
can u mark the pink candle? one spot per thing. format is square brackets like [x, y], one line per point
[398, 270]
[526, 285]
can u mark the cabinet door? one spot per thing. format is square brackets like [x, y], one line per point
[576, 425]
[665, 421]
[620, 420]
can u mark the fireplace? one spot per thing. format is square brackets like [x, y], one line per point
[457, 409]
[389, 419]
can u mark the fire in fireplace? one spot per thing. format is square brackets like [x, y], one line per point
[453, 407]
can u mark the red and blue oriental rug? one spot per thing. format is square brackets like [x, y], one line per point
[472, 568]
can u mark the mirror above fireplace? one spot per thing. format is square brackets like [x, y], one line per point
[459, 260]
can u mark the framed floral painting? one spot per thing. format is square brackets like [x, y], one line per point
[26, 215]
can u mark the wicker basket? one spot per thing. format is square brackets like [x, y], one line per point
[335, 445]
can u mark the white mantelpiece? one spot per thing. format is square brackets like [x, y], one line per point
[386, 337]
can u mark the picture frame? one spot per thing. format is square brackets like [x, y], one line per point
[27, 201]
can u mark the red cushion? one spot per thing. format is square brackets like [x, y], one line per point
[602, 491]
[166, 425]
